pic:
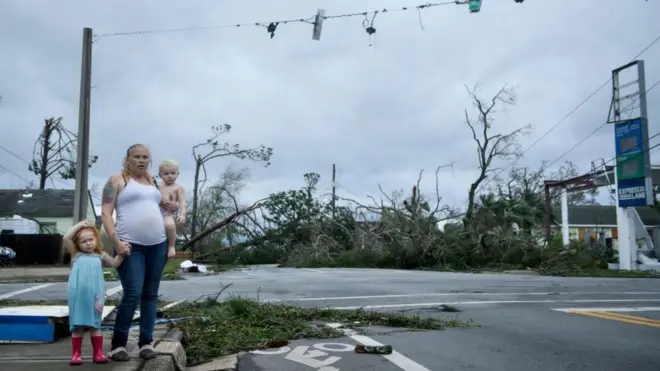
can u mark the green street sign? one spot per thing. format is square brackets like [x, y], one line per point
[474, 5]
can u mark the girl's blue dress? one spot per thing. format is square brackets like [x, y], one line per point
[86, 291]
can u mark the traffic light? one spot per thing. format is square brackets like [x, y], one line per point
[474, 6]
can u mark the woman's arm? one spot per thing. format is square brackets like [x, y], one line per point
[108, 203]
[109, 261]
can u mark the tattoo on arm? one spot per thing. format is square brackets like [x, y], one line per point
[109, 192]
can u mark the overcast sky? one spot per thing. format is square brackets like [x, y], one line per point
[381, 113]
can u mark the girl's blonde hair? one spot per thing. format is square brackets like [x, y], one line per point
[98, 248]
[125, 172]
[168, 163]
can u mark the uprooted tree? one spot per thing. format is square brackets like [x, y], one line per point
[214, 205]
[413, 229]
[212, 149]
[55, 152]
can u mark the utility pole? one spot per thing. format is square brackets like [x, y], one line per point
[82, 160]
[333, 191]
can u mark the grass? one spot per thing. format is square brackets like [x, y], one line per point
[214, 329]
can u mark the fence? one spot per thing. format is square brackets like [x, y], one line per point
[34, 249]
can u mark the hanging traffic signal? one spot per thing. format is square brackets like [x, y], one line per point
[474, 6]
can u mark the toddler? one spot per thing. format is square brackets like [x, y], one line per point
[168, 171]
[86, 288]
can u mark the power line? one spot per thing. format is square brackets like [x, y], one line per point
[14, 174]
[27, 162]
[569, 114]
[271, 26]
[595, 131]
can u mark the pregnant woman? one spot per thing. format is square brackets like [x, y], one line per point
[139, 236]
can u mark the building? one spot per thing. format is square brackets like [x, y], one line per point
[51, 208]
[599, 218]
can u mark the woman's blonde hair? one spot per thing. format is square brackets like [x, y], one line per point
[125, 172]
[98, 248]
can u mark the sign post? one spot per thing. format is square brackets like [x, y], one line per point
[633, 163]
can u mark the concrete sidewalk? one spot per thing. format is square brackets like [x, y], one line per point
[34, 274]
[55, 356]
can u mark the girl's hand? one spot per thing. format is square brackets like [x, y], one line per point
[122, 247]
[181, 219]
[83, 224]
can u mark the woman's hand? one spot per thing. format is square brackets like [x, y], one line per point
[170, 206]
[122, 247]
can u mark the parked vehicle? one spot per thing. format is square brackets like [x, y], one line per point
[7, 256]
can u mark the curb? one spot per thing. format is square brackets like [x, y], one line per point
[171, 355]
[35, 279]
[226, 363]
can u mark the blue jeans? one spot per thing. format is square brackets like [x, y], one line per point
[140, 275]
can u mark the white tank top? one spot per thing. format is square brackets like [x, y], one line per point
[139, 219]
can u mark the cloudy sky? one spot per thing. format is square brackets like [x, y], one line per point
[380, 108]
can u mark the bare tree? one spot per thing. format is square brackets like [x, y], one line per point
[490, 146]
[214, 203]
[55, 152]
[212, 149]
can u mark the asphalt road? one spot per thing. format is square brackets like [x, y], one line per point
[526, 322]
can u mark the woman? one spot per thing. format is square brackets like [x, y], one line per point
[140, 236]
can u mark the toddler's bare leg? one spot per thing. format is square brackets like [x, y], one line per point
[170, 229]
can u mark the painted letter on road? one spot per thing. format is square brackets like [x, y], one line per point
[300, 355]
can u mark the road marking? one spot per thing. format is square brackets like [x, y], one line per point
[24, 291]
[621, 309]
[470, 294]
[397, 358]
[270, 352]
[308, 357]
[330, 347]
[621, 318]
[312, 270]
[245, 271]
[172, 305]
[486, 302]
[113, 291]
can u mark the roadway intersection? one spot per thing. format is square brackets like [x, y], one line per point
[527, 322]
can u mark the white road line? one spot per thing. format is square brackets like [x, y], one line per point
[246, 272]
[172, 305]
[622, 309]
[113, 291]
[472, 294]
[486, 302]
[29, 289]
[397, 358]
[312, 270]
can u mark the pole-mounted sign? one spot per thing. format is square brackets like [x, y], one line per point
[633, 161]
[474, 6]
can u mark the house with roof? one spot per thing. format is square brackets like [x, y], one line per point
[594, 219]
[51, 208]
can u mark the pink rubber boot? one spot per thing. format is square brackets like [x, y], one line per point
[97, 345]
[76, 357]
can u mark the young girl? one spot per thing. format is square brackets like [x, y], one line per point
[86, 289]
